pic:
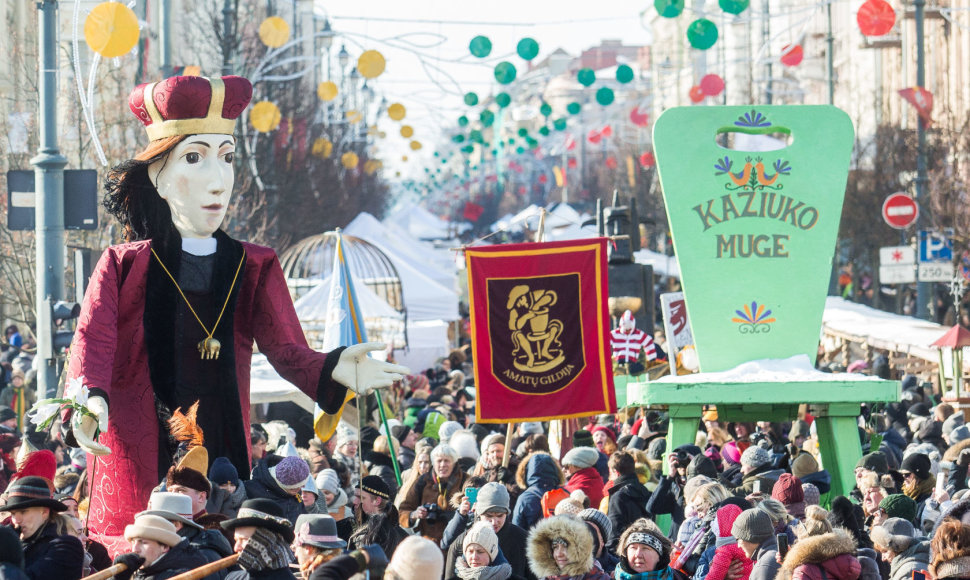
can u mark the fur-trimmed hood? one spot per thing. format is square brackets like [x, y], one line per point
[580, 548]
[539, 469]
[834, 552]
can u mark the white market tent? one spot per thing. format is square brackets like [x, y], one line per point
[418, 222]
[879, 329]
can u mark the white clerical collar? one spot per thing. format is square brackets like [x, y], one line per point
[199, 247]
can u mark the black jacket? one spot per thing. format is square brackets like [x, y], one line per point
[387, 534]
[179, 558]
[278, 574]
[48, 555]
[262, 485]
[512, 540]
[628, 503]
[340, 568]
[210, 544]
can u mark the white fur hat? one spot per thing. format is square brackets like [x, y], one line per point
[415, 558]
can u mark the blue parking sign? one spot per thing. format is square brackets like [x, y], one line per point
[936, 246]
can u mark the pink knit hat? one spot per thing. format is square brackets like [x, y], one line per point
[731, 453]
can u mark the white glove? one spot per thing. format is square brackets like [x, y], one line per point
[360, 373]
[86, 427]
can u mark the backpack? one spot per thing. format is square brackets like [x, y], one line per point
[551, 499]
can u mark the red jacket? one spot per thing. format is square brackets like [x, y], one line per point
[588, 480]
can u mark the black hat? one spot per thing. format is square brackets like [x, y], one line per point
[31, 491]
[582, 438]
[918, 410]
[262, 513]
[375, 486]
[6, 413]
[875, 461]
[318, 530]
[918, 464]
[400, 432]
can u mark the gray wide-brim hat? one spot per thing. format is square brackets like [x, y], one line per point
[174, 507]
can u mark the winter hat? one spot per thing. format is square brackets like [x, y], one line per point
[646, 532]
[481, 533]
[581, 457]
[223, 471]
[465, 444]
[172, 507]
[318, 530]
[582, 438]
[6, 413]
[896, 534]
[491, 439]
[725, 518]
[531, 428]
[190, 471]
[753, 525]
[150, 527]
[952, 422]
[345, 435]
[811, 494]
[605, 430]
[918, 410]
[492, 497]
[701, 465]
[731, 453]
[79, 458]
[788, 489]
[959, 434]
[415, 558]
[918, 463]
[374, 485]
[290, 473]
[898, 505]
[755, 456]
[311, 486]
[328, 480]
[874, 461]
[573, 504]
[803, 465]
[447, 429]
[657, 448]
[400, 432]
[599, 519]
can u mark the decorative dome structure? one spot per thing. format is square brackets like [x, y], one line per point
[308, 266]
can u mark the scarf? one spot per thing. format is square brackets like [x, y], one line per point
[920, 488]
[490, 572]
[621, 573]
[265, 550]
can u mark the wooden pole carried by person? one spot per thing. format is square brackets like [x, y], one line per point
[109, 572]
[208, 569]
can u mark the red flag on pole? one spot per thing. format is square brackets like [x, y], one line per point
[472, 211]
[540, 330]
[922, 101]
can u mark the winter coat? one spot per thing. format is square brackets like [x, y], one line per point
[340, 568]
[382, 466]
[541, 475]
[405, 458]
[48, 555]
[263, 486]
[511, 538]
[179, 558]
[388, 534]
[765, 566]
[668, 498]
[824, 557]
[722, 559]
[916, 557]
[627, 503]
[869, 560]
[820, 479]
[11, 572]
[225, 503]
[621, 572]
[581, 565]
[587, 480]
[494, 571]
[747, 481]
[425, 491]
[211, 544]
[278, 574]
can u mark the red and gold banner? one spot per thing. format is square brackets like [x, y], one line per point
[540, 330]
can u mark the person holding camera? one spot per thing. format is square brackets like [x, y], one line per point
[426, 507]
[668, 497]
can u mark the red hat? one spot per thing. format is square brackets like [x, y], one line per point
[190, 105]
[609, 432]
[788, 489]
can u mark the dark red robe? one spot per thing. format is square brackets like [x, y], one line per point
[128, 354]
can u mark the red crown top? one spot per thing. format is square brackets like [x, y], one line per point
[190, 105]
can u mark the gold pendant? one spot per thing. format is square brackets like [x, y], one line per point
[209, 348]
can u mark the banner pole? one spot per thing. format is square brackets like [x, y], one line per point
[507, 454]
[541, 231]
[390, 438]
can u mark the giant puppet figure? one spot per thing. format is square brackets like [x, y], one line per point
[170, 317]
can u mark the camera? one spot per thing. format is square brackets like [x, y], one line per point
[433, 512]
[683, 458]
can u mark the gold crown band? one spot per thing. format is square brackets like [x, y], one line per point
[212, 123]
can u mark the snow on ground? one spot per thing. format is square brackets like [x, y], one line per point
[789, 370]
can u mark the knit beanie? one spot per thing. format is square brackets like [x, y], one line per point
[918, 464]
[223, 471]
[731, 453]
[400, 432]
[599, 519]
[874, 461]
[606, 431]
[811, 493]
[290, 473]
[803, 465]
[491, 439]
[657, 448]
[959, 434]
[328, 480]
[573, 504]
[415, 558]
[481, 533]
[918, 410]
[492, 497]
[581, 457]
[788, 489]
[374, 485]
[531, 428]
[753, 525]
[582, 438]
[447, 429]
[898, 505]
[725, 519]
[952, 422]
[755, 456]
[896, 534]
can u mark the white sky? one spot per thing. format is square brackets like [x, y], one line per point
[442, 31]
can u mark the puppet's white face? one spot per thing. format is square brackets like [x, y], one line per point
[196, 180]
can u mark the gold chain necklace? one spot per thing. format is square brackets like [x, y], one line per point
[209, 347]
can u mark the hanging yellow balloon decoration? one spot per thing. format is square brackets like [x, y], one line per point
[371, 64]
[327, 91]
[415, 145]
[382, 134]
[111, 29]
[407, 131]
[354, 117]
[322, 148]
[274, 32]
[265, 116]
[396, 111]
[371, 166]
[404, 158]
[349, 160]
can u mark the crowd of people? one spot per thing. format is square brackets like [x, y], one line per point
[432, 494]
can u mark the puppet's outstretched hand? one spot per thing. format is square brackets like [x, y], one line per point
[86, 428]
[360, 373]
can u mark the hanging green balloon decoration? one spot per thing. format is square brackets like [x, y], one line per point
[559, 124]
[702, 34]
[669, 8]
[545, 109]
[459, 138]
[624, 74]
[527, 48]
[586, 76]
[733, 6]
[471, 99]
[605, 96]
[504, 73]
[480, 46]
[520, 150]
[523, 131]
[487, 118]
[543, 131]
[503, 100]
[475, 135]
[463, 121]
[574, 108]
